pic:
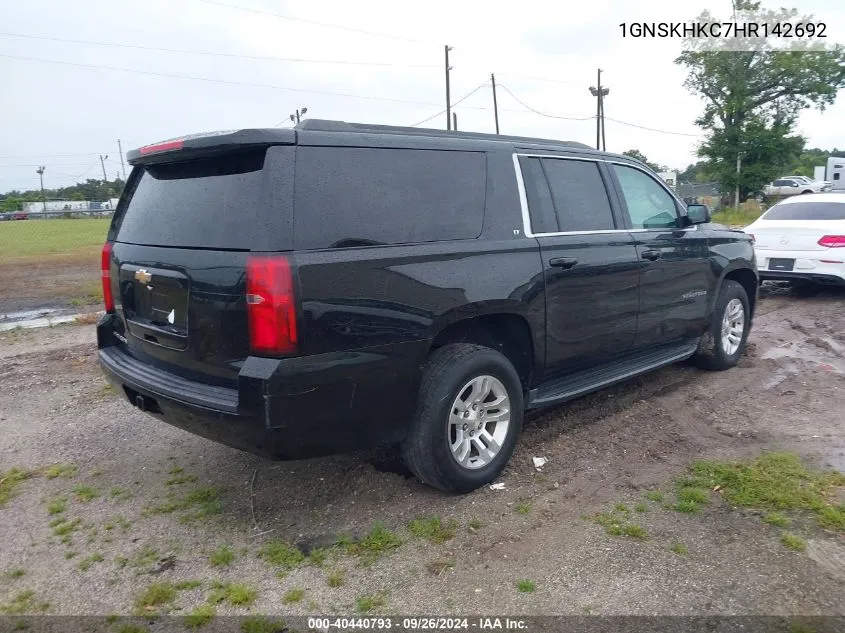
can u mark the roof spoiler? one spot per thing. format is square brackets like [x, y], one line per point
[194, 145]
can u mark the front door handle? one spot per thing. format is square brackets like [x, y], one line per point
[650, 255]
[563, 262]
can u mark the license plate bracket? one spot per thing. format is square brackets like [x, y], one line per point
[783, 264]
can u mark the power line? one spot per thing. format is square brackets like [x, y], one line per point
[226, 81]
[651, 129]
[316, 23]
[47, 155]
[215, 54]
[466, 96]
[535, 111]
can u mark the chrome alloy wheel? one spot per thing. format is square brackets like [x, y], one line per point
[478, 422]
[733, 326]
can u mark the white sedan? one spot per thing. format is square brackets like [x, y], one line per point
[802, 239]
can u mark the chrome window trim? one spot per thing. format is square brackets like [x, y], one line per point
[523, 197]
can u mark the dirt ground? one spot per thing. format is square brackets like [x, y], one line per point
[140, 524]
[54, 282]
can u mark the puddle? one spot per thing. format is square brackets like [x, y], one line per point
[44, 317]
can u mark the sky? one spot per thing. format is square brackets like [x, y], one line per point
[65, 103]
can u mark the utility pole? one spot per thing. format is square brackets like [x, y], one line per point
[738, 169]
[296, 117]
[103, 165]
[600, 93]
[448, 91]
[40, 172]
[495, 103]
[455, 121]
[122, 166]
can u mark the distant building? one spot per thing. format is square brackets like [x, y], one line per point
[670, 178]
[56, 205]
[53, 206]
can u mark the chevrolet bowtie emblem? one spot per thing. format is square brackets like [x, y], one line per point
[143, 276]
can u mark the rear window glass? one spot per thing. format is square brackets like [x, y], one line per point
[348, 197]
[806, 211]
[205, 203]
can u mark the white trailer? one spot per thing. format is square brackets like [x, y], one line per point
[818, 173]
[836, 173]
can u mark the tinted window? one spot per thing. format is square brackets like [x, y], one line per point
[540, 206]
[208, 203]
[649, 205]
[836, 176]
[579, 195]
[780, 183]
[361, 196]
[806, 211]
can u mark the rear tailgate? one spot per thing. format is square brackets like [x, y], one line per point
[182, 235]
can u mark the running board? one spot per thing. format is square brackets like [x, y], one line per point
[574, 385]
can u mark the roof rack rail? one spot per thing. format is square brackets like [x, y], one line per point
[326, 125]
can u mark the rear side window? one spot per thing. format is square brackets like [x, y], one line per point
[541, 209]
[579, 195]
[206, 203]
[806, 211]
[349, 197]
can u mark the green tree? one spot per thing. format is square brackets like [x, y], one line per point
[767, 151]
[757, 91]
[696, 172]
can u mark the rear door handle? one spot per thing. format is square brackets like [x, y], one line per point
[650, 255]
[563, 262]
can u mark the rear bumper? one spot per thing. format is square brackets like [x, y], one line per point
[282, 408]
[825, 266]
[828, 280]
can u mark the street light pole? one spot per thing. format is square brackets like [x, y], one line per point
[40, 172]
[600, 93]
[296, 117]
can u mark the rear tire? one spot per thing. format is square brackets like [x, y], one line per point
[455, 442]
[723, 344]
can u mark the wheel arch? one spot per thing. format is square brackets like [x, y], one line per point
[509, 333]
[748, 279]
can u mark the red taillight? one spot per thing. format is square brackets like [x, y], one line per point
[271, 305]
[105, 270]
[166, 146]
[833, 241]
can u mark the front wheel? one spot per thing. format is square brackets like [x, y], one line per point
[468, 418]
[723, 343]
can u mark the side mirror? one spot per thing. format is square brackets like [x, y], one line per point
[698, 214]
[794, 184]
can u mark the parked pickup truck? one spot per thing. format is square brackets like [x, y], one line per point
[793, 186]
[337, 286]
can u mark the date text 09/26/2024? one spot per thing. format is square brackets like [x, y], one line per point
[723, 30]
[416, 624]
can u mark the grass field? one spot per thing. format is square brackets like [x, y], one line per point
[24, 240]
[734, 216]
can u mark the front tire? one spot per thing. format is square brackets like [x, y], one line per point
[469, 415]
[723, 344]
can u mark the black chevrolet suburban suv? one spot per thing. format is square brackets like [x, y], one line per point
[337, 286]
